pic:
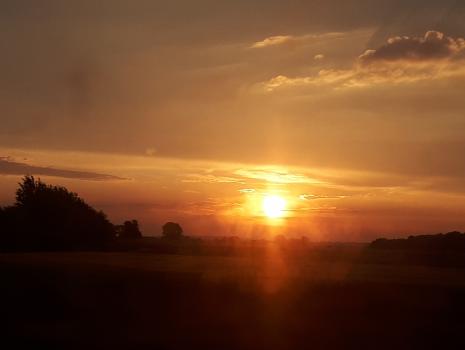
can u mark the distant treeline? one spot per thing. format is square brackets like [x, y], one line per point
[431, 250]
[452, 241]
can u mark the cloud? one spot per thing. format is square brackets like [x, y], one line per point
[9, 167]
[324, 209]
[273, 41]
[319, 57]
[247, 190]
[362, 77]
[276, 176]
[279, 40]
[433, 46]
[403, 60]
[210, 178]
[308, 197]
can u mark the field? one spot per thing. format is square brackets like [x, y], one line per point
[267, 300]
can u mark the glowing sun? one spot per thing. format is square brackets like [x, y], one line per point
[273, 206]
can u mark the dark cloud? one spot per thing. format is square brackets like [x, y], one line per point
[433, 46]
[9, 167]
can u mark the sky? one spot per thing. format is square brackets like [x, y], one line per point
[351, 111]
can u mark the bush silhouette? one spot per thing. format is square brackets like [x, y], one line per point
[172, 230]
[47, 217]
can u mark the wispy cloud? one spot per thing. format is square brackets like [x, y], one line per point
[273, 41]
[210, 178]
[326, 210]
[276, 176]
[281, 40]
[209, 206]
[309, 197]
[10, 167]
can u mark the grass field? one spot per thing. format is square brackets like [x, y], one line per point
[250, 301]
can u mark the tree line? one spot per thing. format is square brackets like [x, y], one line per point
[451, 241]
[47, 217]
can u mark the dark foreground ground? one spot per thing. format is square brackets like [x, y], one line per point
[251, 301]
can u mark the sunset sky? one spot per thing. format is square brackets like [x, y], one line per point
[352, 112]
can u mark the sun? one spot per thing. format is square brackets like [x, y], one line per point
[273, 206]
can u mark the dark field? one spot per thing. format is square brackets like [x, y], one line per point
[269, 299]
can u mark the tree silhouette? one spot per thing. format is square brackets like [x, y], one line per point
[172, 230]
[130, 229]
[47, 217]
